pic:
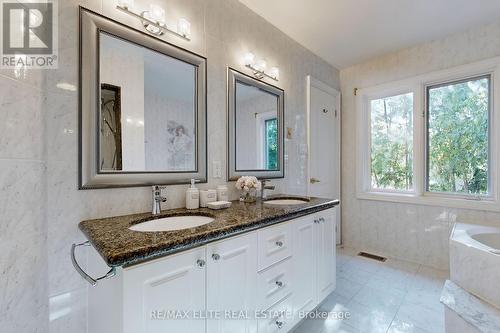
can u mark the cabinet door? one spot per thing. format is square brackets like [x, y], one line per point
[155, 291]
[326, 253]
[304, 264]
[231, 285]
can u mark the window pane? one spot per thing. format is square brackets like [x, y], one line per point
[272, 144]
[392, 142]
[457, 158]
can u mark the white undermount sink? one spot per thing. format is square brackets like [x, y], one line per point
[172, 223]
[285, 202]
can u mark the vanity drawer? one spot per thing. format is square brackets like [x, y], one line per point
[278, 318]
[275, 244]
[274, 284]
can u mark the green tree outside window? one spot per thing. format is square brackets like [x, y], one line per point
[458, 137]
[271, 143]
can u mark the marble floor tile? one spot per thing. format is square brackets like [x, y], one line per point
[347, 288]
[425, 298]
[373, 319]
[421, 316]
[334, 302]
[401, 326]
[390, 297]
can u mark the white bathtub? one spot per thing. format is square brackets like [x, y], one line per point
[475, 260]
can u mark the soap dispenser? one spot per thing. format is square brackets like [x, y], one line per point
[192, 196]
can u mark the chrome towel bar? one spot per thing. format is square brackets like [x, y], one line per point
[88, 278]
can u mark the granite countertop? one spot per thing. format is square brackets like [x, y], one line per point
[120, 246]
[483, 316]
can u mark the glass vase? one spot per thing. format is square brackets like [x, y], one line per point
[248, 196]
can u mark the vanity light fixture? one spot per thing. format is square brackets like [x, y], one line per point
[259, 68]
[153, 20]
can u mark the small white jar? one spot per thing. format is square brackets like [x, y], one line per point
[207, 196]
[222, 193]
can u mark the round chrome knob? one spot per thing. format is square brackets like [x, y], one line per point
[279, 243]
[215, 256]
[316, 221]
[279, 324]
[279, 284]
[321, 219]
[201, 263]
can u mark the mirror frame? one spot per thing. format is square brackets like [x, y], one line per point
[234, 76]
[90, 175]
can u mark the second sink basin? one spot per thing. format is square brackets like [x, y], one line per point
[172, 223]
[285, 202]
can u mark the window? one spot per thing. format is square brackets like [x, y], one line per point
[271, 140]
[458, 137]
[433, 139]
[391, 120]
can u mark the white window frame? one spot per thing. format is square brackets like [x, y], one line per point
[418, 85]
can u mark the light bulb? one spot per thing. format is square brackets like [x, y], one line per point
[249, 59]
[184, 27]
[126, 3]
[275, 72]
[157, 14]
[261, 65]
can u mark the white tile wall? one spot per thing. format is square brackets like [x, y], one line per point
[411, 232]
[40, 206]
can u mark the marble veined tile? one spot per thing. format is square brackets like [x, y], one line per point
[22, 121]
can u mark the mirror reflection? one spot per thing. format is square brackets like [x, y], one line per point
[256, 132]
[148, 109]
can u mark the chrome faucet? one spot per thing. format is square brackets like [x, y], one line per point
[157, 199]
[264, 187]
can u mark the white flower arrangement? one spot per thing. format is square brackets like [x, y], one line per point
[248, 183]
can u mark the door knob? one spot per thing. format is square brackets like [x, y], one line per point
[215, 256]
[201, 263]
[314, 180]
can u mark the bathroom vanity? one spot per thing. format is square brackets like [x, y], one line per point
[255, 268]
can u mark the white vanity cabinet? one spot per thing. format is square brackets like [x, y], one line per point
[314, 265]
[150, 290]
[326, 247]
[279, 271]
[305, 249]
[231, 284]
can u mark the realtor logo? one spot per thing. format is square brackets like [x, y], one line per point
[29, 34]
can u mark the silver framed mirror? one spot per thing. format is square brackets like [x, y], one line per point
[142, 111]
[255, 127]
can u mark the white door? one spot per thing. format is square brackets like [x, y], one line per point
[231, 284]
[326, 253]
[175, 283]
[324, 142]
[304, 264]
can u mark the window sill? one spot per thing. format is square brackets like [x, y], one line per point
[485, 204]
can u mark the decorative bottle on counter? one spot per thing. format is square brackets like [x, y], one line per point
[192, 196]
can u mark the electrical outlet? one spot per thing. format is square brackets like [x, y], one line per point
[216, 169]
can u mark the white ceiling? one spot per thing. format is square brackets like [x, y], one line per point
[348, 32]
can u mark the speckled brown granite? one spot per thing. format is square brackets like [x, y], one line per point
[120, 246]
